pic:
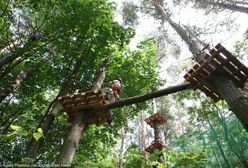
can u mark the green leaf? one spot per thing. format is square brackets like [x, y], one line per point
[14, 127]
[11, 134]
[36, 136]
[23, 133]
[40, 130]
[153, 158]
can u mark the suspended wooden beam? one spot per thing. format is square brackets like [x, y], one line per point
[148, 96]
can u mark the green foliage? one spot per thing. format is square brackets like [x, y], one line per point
[66, 43]
[129, 13]
[133, 157]
[191, 157]
[37, 135]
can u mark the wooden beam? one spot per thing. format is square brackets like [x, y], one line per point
[148, 96]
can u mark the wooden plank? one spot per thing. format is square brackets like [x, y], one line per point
[80, 95]
[62, 98]
[196, 66]
[218, 46]
[236, 72]
[215, 63]
[212, 51]
[235, 61]
[209, 68]
[208, 85]
[81, 101]
[66, 102]
[186, 76]
[94, 92]
[231, 76]
[203, 73]
[221, 59]
[226, 52]
[208, 93]
[192, 72]
[69, 106]
[201, 62]
[94, 105]
[226, 57]
[240, 66]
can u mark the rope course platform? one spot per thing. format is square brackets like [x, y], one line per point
[219, 61]
[158, 118]
[91, 102]
[244, 90]
[157, 144]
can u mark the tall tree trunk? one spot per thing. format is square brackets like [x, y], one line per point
[213, 148]
[219, 145]
[7, 59]
[156, 131]
[16, 83]
[216, 156]
[192, 42]
[155, 124]
[232, 95]
[229, 6]
[78, 123]
[20, 79]
[234, 146]
[142, 135]
[71, 142]
[10, 67]
[45, 125]
[123, 134]
[57, 107]
[234, 98]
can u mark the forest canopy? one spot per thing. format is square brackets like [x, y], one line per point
[50, 50]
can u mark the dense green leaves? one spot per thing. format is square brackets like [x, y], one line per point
[65, 43]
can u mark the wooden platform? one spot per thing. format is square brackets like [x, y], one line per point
[244, 90]
[91, 102]
[158, 144]
[155, 118]
[218, 61]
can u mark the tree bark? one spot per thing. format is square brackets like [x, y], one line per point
[7, 59]
[123, 134]
[142, 135]
[156, 131]
[16, 83]
[72, 140]
[234, 98]
[232, 7]
[78, 123]
[148, 96]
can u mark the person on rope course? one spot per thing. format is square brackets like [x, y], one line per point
[115, 89]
